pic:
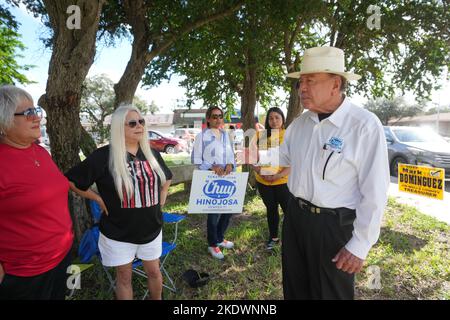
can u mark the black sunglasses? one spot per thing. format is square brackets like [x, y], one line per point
[133, 123]
[30, 113]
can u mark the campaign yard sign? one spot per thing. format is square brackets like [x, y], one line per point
[424, 181]
[211, 193]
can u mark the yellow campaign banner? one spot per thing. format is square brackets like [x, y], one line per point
[424, 181]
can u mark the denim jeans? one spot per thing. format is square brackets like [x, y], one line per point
[216, 226]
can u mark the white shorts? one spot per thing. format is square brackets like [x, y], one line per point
[117, 253]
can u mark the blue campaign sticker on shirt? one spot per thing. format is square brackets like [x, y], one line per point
[335, 144]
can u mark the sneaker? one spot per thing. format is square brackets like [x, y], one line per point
[226, 244]
[272, 243]
[216, 253]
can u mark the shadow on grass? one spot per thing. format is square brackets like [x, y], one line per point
[412, 254]
[401, 242]
[242, 274]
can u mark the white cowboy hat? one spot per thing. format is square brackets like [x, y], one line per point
[324, 59]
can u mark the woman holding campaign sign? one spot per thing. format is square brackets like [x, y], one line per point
[213, 151]
[271, 179]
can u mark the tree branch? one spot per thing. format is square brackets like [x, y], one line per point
[295, 32]
[163, 45]
[91, 113]
[289, 40]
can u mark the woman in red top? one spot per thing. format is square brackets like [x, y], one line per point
[35, 225]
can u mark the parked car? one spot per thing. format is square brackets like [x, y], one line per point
[165, 144]
[418, 146]
[44, 136]
[238, 138]
[186, 133]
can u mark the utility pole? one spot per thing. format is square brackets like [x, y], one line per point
[437, 118]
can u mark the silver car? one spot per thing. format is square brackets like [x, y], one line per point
[238, 137]
[418, 146]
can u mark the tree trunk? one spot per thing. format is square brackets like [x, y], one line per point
[87, 143]
[136, 17]
[248, 104]
[292, 63]
[248, 95]
[294, 107]
[128, 83]
[72, 56]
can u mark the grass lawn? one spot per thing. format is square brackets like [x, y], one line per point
[178, 159]
[412, 254]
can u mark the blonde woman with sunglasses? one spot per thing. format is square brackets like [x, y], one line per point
[132, 181]
[35, 225]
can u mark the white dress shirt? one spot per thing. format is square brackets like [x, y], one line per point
[341, 161]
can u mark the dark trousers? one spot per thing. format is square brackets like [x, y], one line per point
[216, 226]
[309, 243]
[272, 196]
[50, 285]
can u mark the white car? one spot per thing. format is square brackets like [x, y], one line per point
[238, 137]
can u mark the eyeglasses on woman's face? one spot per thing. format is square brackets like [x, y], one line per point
[133, 123]
[30, 113]
[216, 116]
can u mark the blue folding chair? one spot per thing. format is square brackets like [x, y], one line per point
[96, 211]
[89, 248]
[167, 248]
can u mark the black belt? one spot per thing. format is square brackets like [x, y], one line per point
[308, 206]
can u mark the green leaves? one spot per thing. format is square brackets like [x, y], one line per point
[219, 58]
[10, 70]
[10, 46]
[97, 103]
[407, 53]
[388, 109]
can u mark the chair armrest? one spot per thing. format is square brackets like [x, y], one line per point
[172, 218]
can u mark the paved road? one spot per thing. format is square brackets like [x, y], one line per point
[440, 209]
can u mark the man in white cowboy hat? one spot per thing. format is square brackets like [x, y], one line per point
[339, 181]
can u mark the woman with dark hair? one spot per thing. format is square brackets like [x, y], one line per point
[213, 151]
[272, 179]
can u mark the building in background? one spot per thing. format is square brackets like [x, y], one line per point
[438, 122]
[195, 118]
[160, 122]
[188, 118]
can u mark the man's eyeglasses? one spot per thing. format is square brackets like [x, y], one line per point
[30, 113]
[217, 116]
[133, 123]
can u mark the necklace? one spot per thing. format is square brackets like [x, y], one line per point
[33, 157]
[36, 162]
[16, 145]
